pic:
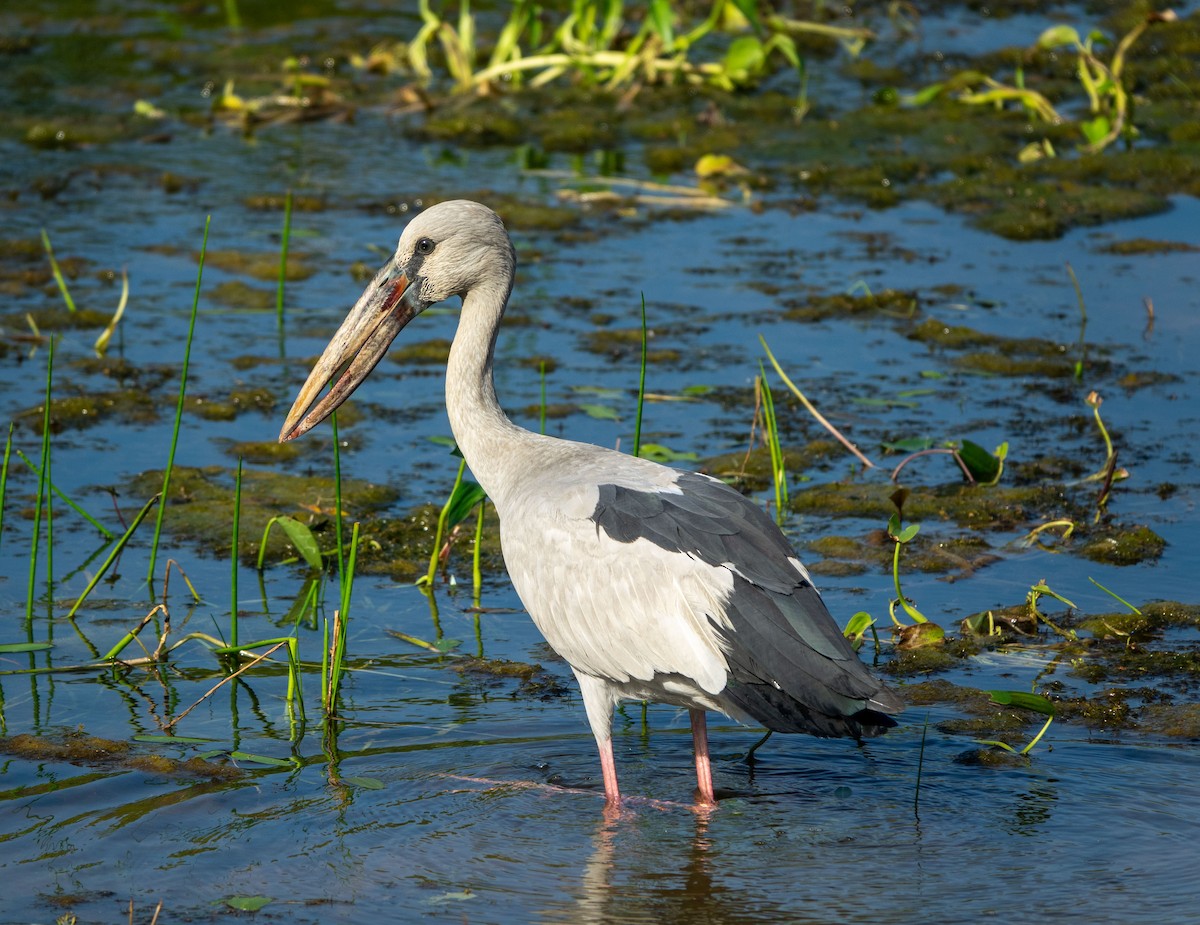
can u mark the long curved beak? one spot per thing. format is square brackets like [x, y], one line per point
[382, 311]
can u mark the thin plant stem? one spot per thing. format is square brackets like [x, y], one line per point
[4, 477]
[812, 409]
[337, 499]
[112, 556]
[641, 398]
[105, 532]
[476, 570]
[43, 476]
[187, 352]
[1083, 320]
[283, 255]
[920, 767]
[58, 277]
[443, 516]
[233, 576]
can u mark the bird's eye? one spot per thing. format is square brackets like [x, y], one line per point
[425, 246]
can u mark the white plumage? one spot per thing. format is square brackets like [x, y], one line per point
[651, 582]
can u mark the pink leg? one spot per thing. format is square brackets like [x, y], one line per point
[703, 764]
[608, 767]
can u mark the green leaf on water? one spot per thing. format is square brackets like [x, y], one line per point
[247, 903]
[440, 646]
[366, 783]
[696, 391]
[262, 759]
[1034, 702]
[909, 444]
[599, 412]
[663, 454]
[916, 393]
[983, 466]
[932, 374]
[302, 538]
[12, 648]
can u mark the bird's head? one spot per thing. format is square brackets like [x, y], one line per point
[448, 250]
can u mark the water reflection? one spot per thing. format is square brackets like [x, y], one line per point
[638, 871]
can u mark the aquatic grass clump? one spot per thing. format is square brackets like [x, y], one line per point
[1109, 102]
[613, 44]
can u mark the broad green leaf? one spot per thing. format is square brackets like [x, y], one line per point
[745, 57]
[857, 625]
[983, 466]
[12, 648]
[466, 495]
[1058, 35]
[302, 538]
[1095, 129]
[1035, 702]
[247, 903]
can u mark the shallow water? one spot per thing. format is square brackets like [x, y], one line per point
[462, 796]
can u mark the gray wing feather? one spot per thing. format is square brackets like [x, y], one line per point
[790, 667]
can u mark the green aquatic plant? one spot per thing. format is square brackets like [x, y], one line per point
[812, 408]
[1034, 702]
[464, 496]
[763, 398]
[613, 44]
[1109, 105]
[179, 405]
[1108, 473]
[641, 393]
[4, 475]
[43, 499]
[283, 254]
[57, 272]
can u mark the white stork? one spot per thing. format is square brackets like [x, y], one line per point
[653, 583]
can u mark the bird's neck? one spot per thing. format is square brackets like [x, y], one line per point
[483, 432]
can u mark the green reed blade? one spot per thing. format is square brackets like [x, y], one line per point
[187, 353]
[43, 475]
[58, 277]
[4, 476]
[641, 399]
[233, 578]
[283, 255]
[104, 531]
[112, 556]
